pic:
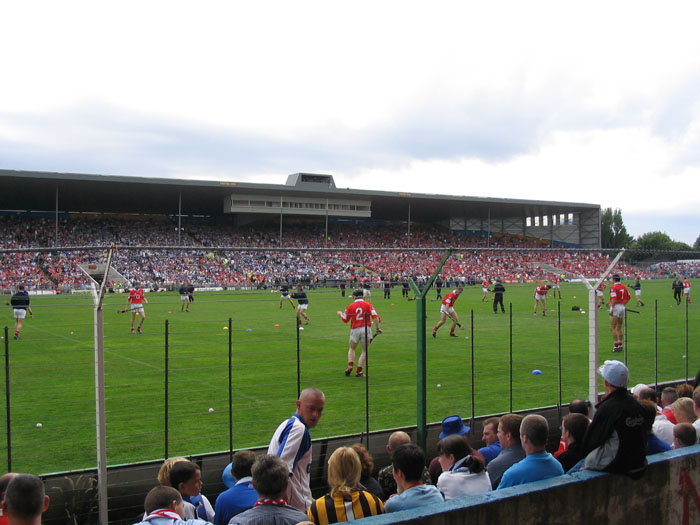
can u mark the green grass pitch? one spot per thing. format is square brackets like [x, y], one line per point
[52, 367]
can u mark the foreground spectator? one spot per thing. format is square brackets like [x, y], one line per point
[408, 463]
[346, 501]
[242, 495]
[292, 442]
[490, 438]
[452, 425]
[684, 435]
[616, 440]
[511, 449]
[538, 464]
[654, 444]
[696, 409]
[680, 411]
[270, 479]
[462, 473]
[577, 406]
[186, 477]
[573, 428]
[366, 480]
[164, 506]
[25, 500]
[4, 482]
[386, 475]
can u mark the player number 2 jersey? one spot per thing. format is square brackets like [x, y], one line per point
[357, 311]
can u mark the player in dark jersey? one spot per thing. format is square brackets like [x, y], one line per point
[20, 306]
[302, 304]
[284, 295]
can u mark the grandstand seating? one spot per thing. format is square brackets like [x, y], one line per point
[205, 265]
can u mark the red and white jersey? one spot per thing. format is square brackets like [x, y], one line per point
[619, 293]
[136, 296]
[602, 286]
[357, 311]
[485, 284]
[555, 280]
[541, 290]
[450, 299]
[686, 284]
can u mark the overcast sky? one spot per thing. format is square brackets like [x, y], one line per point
[595, 102]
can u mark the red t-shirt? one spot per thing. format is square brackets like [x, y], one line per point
[542, 290]
[450, 299]
[136, 296]
[619, 293]
[356, 312]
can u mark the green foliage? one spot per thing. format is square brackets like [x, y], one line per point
[613, 231]
[659, 241]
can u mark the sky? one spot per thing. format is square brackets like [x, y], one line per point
[595, 102]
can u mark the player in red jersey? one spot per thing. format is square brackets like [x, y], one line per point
[135, 303]
[485, 288]
[600, 293]
[555, 287]
[447, 309]
[359, 314]
[619, 295]
[686, 290]
[541, 298]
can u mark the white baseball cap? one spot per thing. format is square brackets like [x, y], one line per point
[615, 372]
[637, 389]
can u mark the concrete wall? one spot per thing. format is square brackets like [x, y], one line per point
[667, 494]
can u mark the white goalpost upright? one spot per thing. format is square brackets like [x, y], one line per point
[100, 275]
[593, 331]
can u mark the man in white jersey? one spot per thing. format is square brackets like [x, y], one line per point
[292, 443]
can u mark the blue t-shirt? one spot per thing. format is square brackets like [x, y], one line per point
[238, 498]
[490, 452]
[414, 497]
[655, 445]
[536, 466]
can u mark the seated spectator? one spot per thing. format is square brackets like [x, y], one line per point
[186, 477]
[270, 479]
[649, 394]
[346, 501]
[462, 473]
[242, 495]
[577, 406]
[616, 440]
[408, 461]
[164, 471]
[684, 390]
[366, 480]
[490, 437]
[164, 506]
[4, 481]
[638, 389]
[386, 475]
[538, 464]
[654, 444]
[696, 409]
[452, 425]
[680, 411]
[511, 449]
[25, 500]
[668, 396]
[573, 428]
[684, 435]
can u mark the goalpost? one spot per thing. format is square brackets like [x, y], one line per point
[100, 275]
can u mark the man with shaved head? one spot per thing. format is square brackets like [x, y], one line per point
[386, 475]
[292, 443]
[25, 500]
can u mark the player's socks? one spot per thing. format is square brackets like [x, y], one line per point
[434, 333]
[348, 371]
[133, 331]
[359, 372]
[452, 334]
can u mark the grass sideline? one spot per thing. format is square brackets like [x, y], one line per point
[52, 367]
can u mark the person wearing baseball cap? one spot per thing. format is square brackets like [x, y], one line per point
[616, 439]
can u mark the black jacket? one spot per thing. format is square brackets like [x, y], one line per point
[619, 412]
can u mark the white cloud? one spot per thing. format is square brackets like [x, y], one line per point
[552, 100]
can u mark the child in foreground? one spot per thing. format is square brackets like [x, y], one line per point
[164, 506]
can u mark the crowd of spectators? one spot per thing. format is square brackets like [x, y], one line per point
[628, 426]
[277, 256]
